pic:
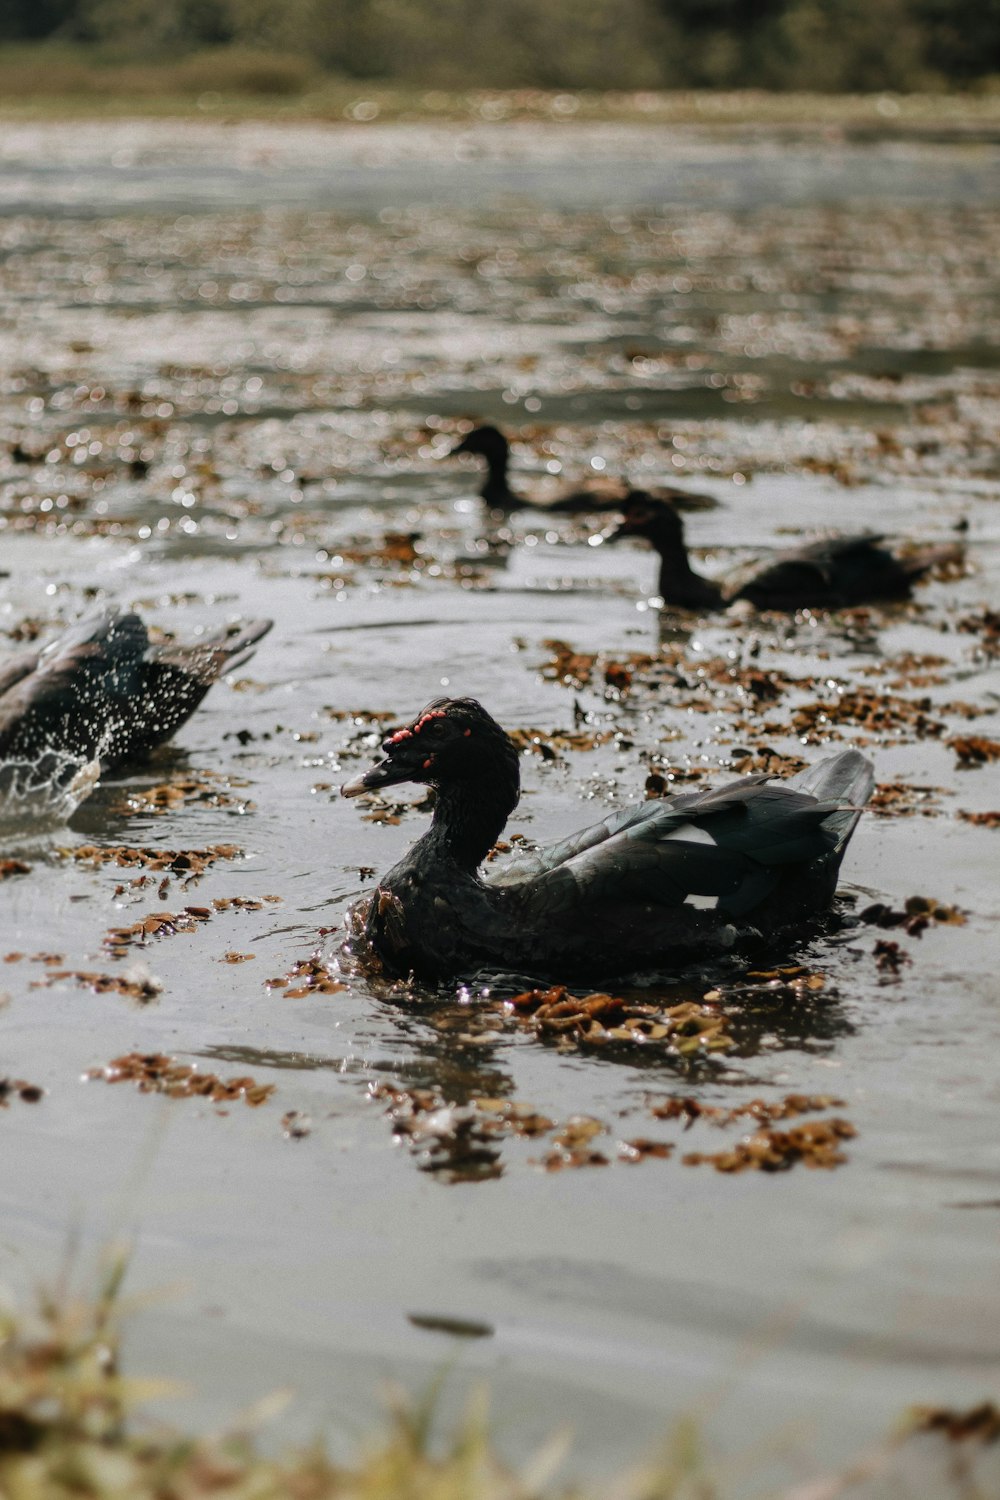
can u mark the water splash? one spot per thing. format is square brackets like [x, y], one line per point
[40, 794]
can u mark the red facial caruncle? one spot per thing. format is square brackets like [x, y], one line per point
[411, 730]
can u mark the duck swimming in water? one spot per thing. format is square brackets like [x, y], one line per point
[102, 691]
[831, 573]
[491, 444]
[649, 886]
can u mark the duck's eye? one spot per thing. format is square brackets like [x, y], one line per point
[436, 728]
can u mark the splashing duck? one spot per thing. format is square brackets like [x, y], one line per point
[102, 691]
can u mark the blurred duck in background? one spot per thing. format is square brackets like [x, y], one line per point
[834, 572]
[489, 443]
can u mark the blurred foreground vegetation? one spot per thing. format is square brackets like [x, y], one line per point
[71, 1429]
[282, 47]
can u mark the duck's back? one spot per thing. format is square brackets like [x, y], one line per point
[833, 571]
[690, 873]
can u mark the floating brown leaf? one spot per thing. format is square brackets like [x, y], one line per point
[140, 986]
[154, 1072]
[18, 1088]
[308, 976]
[981, 819]
[601, 1020]
[815, 1144]
[977, 1423]
[974, 751]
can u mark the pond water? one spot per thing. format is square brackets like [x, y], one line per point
[234, 361]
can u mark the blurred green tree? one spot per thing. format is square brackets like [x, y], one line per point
[561, 44]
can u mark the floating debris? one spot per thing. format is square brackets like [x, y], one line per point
[189, 863]
[575, 668]
[296, 1125]
[172, 924]
[880, 714]
[792, 982]
[978, 1423]
[308, 976]
[137, 983]
[158, 924]
[973, 751]
[815, 1144]
[11, 867]
[551, 743]
[919, 912]
[208, 787]
[572, 1146]
[985, 624]
[766, 1111]
[643, 1149]
[601, 1020]
[890, 957]
[981, 819]
[459, 1328]
[156, 1073]
[902, 799]
[460, 1142]
[19, 1088]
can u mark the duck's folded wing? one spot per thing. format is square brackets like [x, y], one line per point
[813, 566]
[531, 863]
[725, 848]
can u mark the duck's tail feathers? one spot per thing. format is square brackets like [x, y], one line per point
[846, 779]
[923, 559]
[209, 658]
[236, 644]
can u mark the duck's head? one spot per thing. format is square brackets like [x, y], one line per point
[488, 442]
[451, 741]
[656, 520]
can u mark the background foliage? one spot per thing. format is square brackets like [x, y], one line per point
[825, 45]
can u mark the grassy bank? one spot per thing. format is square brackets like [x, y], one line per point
[71, 1427]
[52, 82]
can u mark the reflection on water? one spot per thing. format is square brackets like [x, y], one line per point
[229, 381]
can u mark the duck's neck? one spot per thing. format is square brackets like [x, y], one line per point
[679, 583]
[496, 490]
[469, 817]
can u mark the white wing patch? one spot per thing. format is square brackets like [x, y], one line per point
[691, 834]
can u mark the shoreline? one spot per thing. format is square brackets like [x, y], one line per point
[966, 117]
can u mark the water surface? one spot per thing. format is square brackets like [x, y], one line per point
[234, 359]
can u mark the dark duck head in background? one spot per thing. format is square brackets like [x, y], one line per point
[102, 691]
[834, 572]
[649, 886]
[490, 443]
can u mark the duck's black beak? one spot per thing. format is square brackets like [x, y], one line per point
[461, 447]
[384, 774]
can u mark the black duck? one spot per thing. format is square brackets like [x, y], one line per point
[647, 887]
[491, 444]
[834, 572]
